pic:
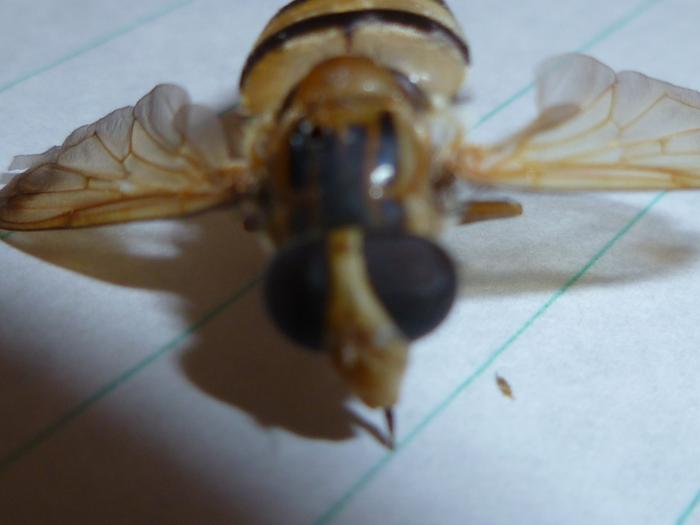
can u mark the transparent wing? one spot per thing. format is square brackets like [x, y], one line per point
[597, 130]
[159, 158]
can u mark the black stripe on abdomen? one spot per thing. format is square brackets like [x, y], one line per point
[297, 3]
[347, 21]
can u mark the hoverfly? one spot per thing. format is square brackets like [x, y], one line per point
[338, 153]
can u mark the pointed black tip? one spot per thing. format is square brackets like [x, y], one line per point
[391, 427]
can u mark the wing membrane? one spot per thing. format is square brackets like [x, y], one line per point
[597, 130]
[161, 157]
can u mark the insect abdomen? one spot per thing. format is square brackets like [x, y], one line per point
[419, 38]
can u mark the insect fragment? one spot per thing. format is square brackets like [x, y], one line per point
[504, 387]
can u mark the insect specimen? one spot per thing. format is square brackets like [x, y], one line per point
[504, 387]
[342, 151]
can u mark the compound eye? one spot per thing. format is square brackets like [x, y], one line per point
[296, 287]
[414, 279]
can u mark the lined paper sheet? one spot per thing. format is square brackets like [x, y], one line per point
[140, 381]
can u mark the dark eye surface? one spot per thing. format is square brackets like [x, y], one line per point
[296, 287]
[413, 278]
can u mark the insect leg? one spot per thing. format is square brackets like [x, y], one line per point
[478, 211]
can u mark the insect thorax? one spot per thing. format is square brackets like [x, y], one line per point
[349, 148]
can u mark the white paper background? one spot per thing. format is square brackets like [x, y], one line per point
[140, 381]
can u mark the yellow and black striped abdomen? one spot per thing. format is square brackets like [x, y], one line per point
[419, 38]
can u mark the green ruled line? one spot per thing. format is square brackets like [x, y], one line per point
[689, 510]
[94, 44]
[78, 410]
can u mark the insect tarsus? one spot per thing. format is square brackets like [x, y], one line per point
[391, 427]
